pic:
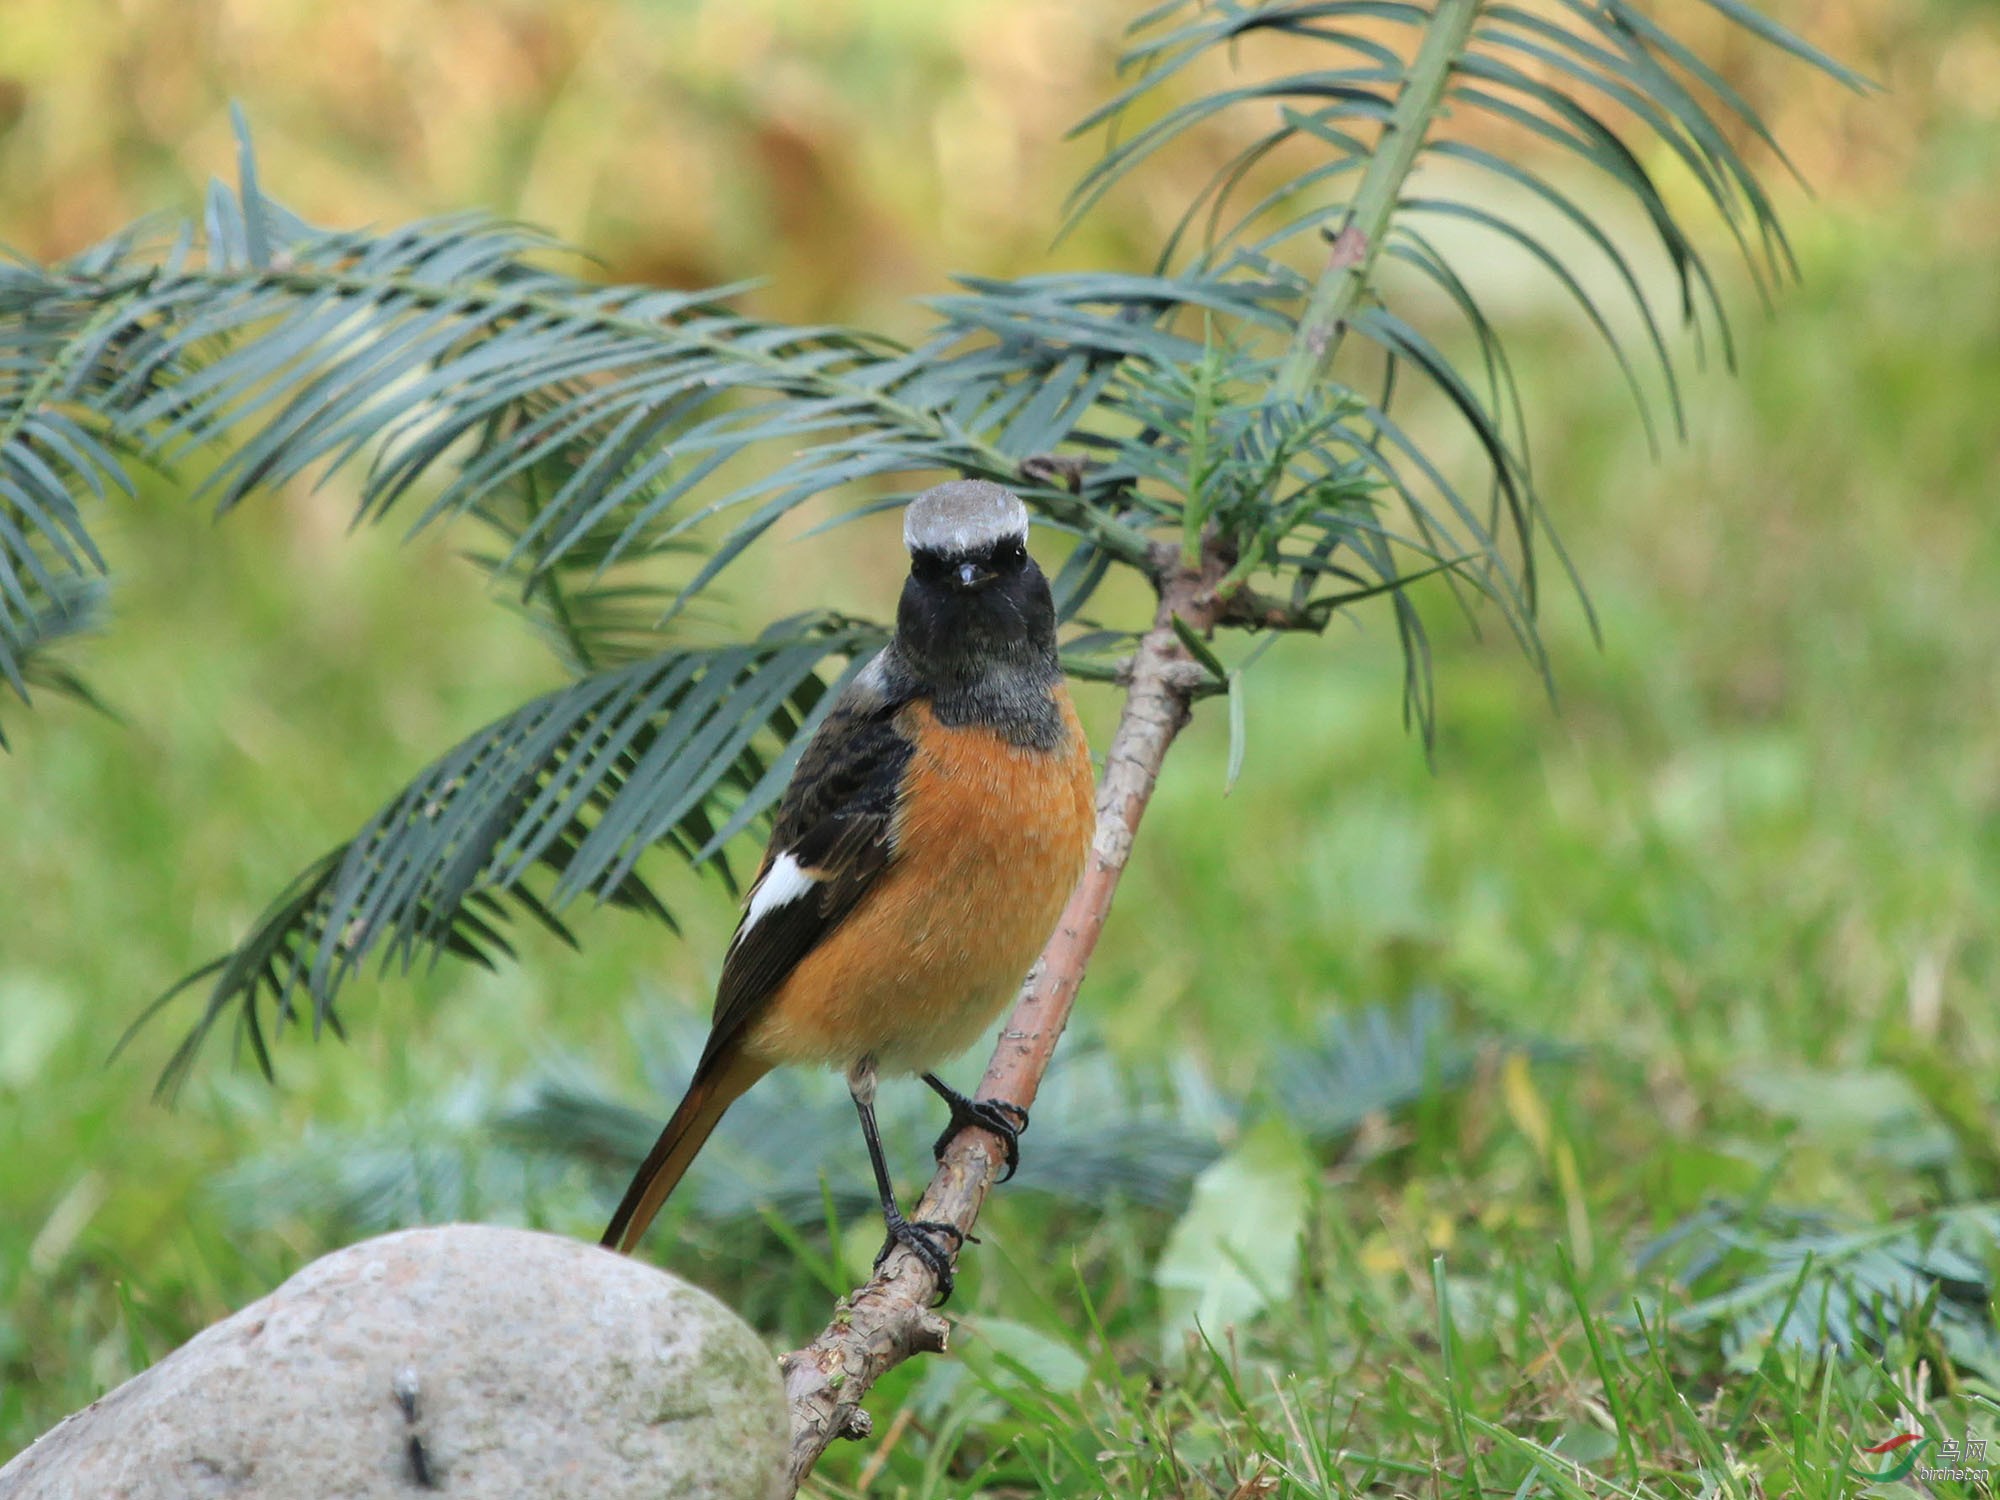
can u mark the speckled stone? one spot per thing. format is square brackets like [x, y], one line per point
[463, 1361]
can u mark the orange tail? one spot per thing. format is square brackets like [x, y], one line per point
[711, 1093]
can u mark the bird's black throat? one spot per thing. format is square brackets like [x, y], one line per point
[976, 634]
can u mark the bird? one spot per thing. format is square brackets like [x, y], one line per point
[932, 831]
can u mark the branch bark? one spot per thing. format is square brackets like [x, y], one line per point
[890, 1319]
[1351, 261]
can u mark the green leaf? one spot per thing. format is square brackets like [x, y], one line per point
[1200, 650]
[1873, 1111]
[1762, 1277]
[1238, 732]
[34, 645]
[1765, 29]
[1005, 1352]
[1235, 1251]
[571, 791]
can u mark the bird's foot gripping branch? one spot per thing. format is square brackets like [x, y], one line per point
[892, 1318]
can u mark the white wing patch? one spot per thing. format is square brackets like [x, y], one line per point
[782, 884]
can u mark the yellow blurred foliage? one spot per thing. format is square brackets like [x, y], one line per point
[850, 151]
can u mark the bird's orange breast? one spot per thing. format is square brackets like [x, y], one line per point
[990, 839]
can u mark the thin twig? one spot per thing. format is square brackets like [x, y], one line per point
[1351, 259]
[879, 1459]
[890, 1318]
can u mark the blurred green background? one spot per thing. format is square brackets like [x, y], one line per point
[1751, 860]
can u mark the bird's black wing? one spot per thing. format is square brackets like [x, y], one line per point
[835, 833]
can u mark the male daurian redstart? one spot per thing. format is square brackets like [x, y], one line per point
[923, 852]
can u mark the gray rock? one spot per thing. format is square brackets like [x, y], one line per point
[481, 1362]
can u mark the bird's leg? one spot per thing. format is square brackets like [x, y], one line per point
[1005, 1120]
[922, 1237]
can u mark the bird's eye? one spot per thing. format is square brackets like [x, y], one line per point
[1010, 554]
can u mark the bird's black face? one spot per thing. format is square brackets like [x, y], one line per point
[969, 572]
[968, 611]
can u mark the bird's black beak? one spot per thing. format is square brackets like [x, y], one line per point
[969, 576]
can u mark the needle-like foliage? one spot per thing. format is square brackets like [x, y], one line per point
[790, 1153]
[619, 448]
[1763, 1277]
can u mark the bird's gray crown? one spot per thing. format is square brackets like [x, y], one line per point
[964, 516]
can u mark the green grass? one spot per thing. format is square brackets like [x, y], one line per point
[1722, 928]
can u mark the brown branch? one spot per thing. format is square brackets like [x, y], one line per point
[1244, 608]
[890, 1319]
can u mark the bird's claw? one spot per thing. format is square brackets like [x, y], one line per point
[1005, 1120]
[920, 1238]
